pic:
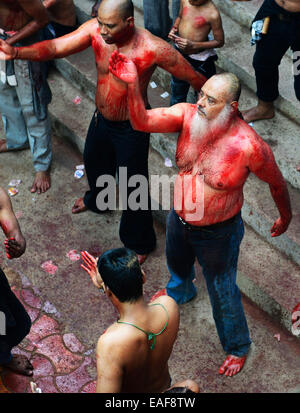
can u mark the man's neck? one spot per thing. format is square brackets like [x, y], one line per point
[129, 36]
[132, 311]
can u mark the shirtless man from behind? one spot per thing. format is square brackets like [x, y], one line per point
[190, 35]
[16, 105]
[17, 320]
[111, 142]
[216, 152]
[283, 33]
[133, 353]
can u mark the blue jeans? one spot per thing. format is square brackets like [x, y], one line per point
[217, 250]
[157, 17]
[180, 88]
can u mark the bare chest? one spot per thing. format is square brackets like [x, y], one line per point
[223, 166]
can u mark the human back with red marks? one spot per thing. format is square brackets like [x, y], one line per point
[191, 28]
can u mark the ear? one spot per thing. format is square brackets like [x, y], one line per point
[130, 21]
[235, 105]
[144, 276]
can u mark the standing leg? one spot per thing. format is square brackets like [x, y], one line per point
[17, 327]
[136, 227]
[13, 120]
[269, 52]
[39, 131]
[218, 256]
[157, 18]
[180, 260]
[99, 159]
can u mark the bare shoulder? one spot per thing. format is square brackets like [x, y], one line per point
[214, 12]
[169, 303]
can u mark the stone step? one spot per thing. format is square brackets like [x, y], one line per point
[275, 290]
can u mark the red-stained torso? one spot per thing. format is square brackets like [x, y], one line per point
[195, 23]
[221, 164]
[111, 96]
[12, 16]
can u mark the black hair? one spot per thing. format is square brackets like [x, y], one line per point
[126, 9]
[121, 273]
[179, 390]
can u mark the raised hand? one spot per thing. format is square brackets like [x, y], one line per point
[7, 52]
[122, 67]
[91, 268]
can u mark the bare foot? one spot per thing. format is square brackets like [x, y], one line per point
[261, 111]
[95, 9]
[142, 258]
[232, 365]
[20, 364]
[41, 182]
[79, 206]
[3, 147]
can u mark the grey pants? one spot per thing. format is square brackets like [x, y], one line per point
[157, 18]
[22, 128]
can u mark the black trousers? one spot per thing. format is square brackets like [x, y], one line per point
[109, 146]
[283, 33]
[18, 322]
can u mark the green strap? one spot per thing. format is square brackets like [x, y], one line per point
[150, 336]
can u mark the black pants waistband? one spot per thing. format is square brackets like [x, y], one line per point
[209, 227]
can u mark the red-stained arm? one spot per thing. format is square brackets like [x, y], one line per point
[155, 120]
[36, 10]
[15, 243]
[172, 61]
[263, 165]
[72, 43]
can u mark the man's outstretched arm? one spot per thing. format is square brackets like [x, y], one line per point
[15, 243]
[263, 165]
[154, 120]
[72, 43]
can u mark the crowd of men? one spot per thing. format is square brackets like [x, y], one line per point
[216, 152]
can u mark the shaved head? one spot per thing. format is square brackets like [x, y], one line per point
[233, 84]
[124, 7]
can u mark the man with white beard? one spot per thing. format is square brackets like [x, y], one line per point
[216, 151]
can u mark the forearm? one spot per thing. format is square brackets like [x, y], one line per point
[137, 111]
[282, 200]
[27, 31]
[210, 44]
[41, 51]
[177, 23]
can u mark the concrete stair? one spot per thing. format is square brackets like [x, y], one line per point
[269, 267]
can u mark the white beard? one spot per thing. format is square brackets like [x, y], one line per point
[201, 128]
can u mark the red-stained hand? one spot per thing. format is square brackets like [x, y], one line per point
[279, 227]
[91, 268]
[122, 67]
[13, 248]
[7, 52]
